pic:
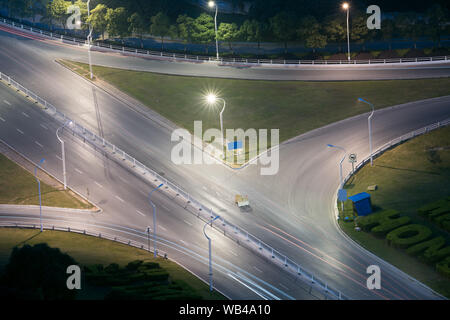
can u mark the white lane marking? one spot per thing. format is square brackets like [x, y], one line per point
[123, 180]
[119, 198]
[44, 127]
[2, 119]
[284, 286]
[20, 131]
[7, 102]
[183, 242]
[161, 227]
[165, 208]
[204, 188]
[256, 268]
[59, 158]
[25, 114]
[188, 222]
[98, 184]
[233, 253]
[78, 170]
[248, 287]
[140, 213]
[40, 145]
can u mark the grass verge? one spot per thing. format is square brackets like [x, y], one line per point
[408, 177]
[18, 186]
[88, 250]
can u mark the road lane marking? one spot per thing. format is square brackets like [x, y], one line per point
[165, 208]
[183, 242]
[256, 268]
[78, 170]
[119, 198]
[283, 286]
[233, 253]
[188, 222]
[161, 227]
[44, 127]
[59, 157]
[40, 145]
[140, 213]
[7, 102]
[25, 114]
[20, 131]
[2, 119]
[98, 184]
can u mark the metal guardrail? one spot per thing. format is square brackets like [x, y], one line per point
[396, 142]
[182, 197]
[240, 61]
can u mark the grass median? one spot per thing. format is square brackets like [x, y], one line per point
[18, 186]
[409, 176]
[294, 107]
[88, 250]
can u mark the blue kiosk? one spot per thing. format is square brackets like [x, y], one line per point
[362, 204]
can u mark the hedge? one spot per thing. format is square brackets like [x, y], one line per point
[423, 211]
[408, 235]
[420, 248]
[382, 222]
[444, 267]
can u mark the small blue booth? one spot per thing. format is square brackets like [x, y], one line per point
[362, 204]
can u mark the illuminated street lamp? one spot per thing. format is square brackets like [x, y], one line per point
[212, 4]
[63, 153]
[209, 248]
[154, 217]
[212, 99]
[39, 189]
[370, 128]
[346, 7]
[340, 169]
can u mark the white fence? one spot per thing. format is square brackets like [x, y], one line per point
[238, 61]
[182, 197]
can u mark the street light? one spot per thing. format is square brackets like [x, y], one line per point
[154, 217]
[212, 4]
[209, 248]
[370, 128]
[212, 99]
[346, 7]
[340, 169]
[89, 40]
[63, 154]
[39, 188]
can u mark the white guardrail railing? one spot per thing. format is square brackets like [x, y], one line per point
[182, 197]
[396, 142]
[240, 61]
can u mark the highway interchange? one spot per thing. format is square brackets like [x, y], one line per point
[293, 211]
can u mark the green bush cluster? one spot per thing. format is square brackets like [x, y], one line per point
[438, 212]
[415, 238]
[138, 280]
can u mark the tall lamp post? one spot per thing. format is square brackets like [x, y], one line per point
[210, 254]
[370, 128]
[341, 180]
[213, 4]
[39, 189]
[154, 217]
[346, 7]
[212, 99]
[89, 40]
[63, 153]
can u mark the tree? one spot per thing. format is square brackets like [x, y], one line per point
[283, 28]
[98, 20]
[137, 26]
[204, 29]
[228, 32]
[358, 29]
[388, 31]
[336, 30]
[57, 10]
[253, 31]
[38, 272]
[310, 33]
[186, 29]
[160, 26]
[409, 26]
[437, 20]
[117, 23]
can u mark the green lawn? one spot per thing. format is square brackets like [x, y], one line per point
[408, 177]
[18, 186]
[88, 250]
[294, 107]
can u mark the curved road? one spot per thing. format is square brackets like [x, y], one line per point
[293, 211]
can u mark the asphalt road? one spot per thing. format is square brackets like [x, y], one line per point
[292, 211]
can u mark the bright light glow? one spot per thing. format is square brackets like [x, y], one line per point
[211, 98]
[211, 4]
[345, 5]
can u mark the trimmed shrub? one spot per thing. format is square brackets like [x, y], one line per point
[438, 212]
[426, 209]
[382, 222]
[406, 236]
[420, 248]
[435, 254]
[133, 265]
[446, 226]
[443, 267]
[441, 219]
